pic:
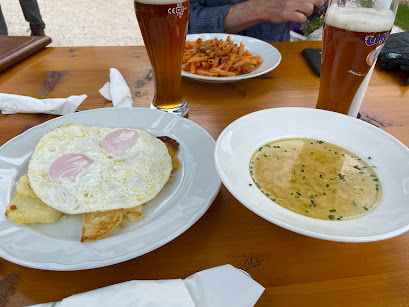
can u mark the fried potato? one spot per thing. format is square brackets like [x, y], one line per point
[23, 187]
[27, 210]
[132, 215]
[175, 164]
[173, 147]
[99, 224]
[171, 144]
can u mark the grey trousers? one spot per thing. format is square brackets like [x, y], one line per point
[31, 13]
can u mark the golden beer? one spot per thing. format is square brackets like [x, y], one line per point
[163, 24]
[352, 40]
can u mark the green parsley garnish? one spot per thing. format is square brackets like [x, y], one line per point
[313, 204]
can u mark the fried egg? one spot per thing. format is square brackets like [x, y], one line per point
[79, 169]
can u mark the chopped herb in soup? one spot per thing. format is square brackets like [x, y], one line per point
[315, 178]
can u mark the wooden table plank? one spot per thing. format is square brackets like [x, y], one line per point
[296, 270]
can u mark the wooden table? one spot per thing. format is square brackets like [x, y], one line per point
[295, 270]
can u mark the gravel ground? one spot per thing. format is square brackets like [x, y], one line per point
[84, 22]
[80, 22]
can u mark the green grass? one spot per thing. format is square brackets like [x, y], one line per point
[402, 17]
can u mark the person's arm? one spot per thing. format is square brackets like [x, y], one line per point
[244, 15]
[204, 19]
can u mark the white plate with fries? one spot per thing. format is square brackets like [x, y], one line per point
[233, 58]
[178, 206]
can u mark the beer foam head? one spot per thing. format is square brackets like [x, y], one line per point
[360, 19]
[159, 2]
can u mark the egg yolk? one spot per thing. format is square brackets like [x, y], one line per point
[120, 142]
[67, 167]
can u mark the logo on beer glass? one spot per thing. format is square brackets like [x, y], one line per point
[178, 10]
[373, 55]
[375, 40]
[372, 40]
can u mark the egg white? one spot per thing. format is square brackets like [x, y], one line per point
[110, 182]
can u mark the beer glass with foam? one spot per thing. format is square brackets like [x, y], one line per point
[353, 35]
[163, 24]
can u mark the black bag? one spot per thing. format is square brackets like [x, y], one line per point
[395, 54]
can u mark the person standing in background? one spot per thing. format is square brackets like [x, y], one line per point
[268, 20]
[32, 14]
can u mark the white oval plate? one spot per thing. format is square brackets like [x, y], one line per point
[178, 206]
[271, 56]
[240, 140]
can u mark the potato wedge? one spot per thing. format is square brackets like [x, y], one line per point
[23, 187]
[27, 210]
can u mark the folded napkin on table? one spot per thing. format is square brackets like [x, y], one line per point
[116, 90]
[395, 53]
[313, 57]
[217, 287]
[10, 104]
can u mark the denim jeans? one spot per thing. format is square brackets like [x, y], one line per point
[31, 13]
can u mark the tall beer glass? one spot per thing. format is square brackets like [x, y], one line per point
[163, 24]
[354, 33]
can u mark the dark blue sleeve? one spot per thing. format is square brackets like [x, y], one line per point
[204, 19]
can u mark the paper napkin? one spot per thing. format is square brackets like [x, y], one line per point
[217, 287]
[10, 104]
[116, 90]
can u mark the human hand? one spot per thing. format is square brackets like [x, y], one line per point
[278, 11]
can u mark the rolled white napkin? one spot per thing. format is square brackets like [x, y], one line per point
[116, 90]
[10, 104]
[217, 287]
[223, 286]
